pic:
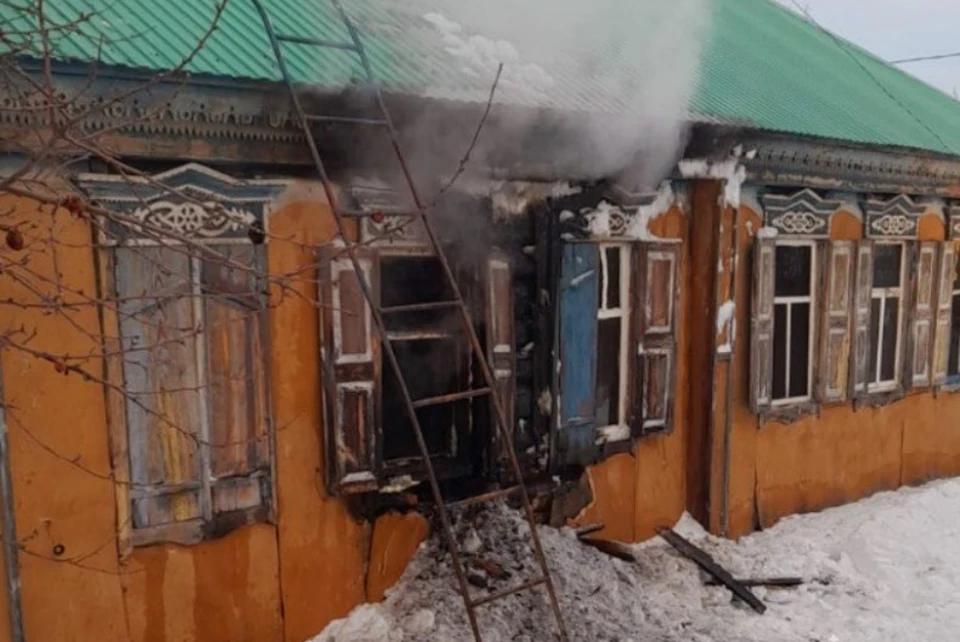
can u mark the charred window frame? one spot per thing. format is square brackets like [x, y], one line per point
[370, 440]
[952, 276]
[613, 337]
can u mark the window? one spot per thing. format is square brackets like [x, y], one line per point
[793, 324]
[953, 362]
[617, 342]
[371, 442]
[433, 356]
[196, 413]
[612, 335]
[886, 316]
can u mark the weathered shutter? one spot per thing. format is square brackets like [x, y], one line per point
[655, 313]
[860, 353]
[921, 327]
[761, 331]
[579, 278]
[351, 353]
[941, 348]
[501, 343]
[236, 402]
[835, 348]
[161, 369]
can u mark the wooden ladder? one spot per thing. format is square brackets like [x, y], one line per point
[385, 123]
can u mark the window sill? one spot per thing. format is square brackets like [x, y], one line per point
[789, 414]
[195, 531]
[882, 398]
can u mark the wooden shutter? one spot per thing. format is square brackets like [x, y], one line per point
[860, 353]
[351, 371]
[159, 330]
[944, 289]
[921, 326]
[835, 348]
[235, 390]
[761, 331]
[579, 278]
[501, 343]
[655, 352]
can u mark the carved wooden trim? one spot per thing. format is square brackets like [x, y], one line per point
[190, 201]
[896, 218]
[804, 213]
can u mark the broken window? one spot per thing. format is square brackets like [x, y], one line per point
[612, 335]
[371, 440]
[886, 314]
[617, 346]
[196, 415]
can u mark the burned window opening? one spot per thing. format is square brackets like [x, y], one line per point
[435, 360]
[612, 336]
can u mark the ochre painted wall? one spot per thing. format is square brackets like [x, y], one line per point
[842, 454]
[263, 583]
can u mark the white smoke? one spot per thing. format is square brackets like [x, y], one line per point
[627, 68]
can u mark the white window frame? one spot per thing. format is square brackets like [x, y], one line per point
[953, 378]
[623, 313]
[790, 301]
[874, 384]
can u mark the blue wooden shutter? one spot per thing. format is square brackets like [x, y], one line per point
[579, 276]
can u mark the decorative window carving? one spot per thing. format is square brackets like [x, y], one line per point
[190, 202]
[804, 213]
[615, 222]
[191, 428]
[896, 218]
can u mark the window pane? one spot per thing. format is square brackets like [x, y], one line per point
[793, 270]
[612, 279]
[953, 367]
[874, 338]
[409, 280]
[780, 351]
[889, 356]
[886, 266]
[608, 372]
[431, 367]
[800, 350]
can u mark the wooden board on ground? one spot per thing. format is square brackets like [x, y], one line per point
[706, 562]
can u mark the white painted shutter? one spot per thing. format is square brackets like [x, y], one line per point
[655, 311]
[941, 347]
[501, 344]
[860, 354]
[351, 353]
[921, 327]
[761, 328]
[837, 305]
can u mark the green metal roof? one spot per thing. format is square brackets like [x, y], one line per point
[764, 66]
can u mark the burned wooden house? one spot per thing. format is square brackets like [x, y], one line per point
[769, 325]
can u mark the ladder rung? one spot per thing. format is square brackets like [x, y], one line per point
[377, 122]
[420, 307]
[486, 497]
[456, 396]
[506, 592]
[304, 40]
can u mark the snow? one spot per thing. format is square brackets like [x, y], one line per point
[886, 568]
[767, 232]
[730, 171]
[612, 433]
[725, 314]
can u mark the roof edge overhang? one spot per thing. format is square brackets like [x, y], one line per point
[782, 158]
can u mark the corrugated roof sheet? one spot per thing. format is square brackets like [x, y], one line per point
[764, 66]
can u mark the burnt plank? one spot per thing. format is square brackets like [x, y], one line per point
[614, 549]
[762, 581]
[706, 562]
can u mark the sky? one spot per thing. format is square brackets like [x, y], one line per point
[895, 29]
